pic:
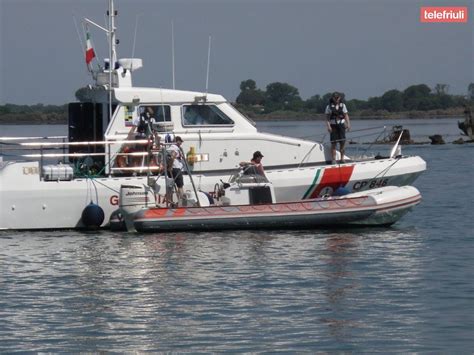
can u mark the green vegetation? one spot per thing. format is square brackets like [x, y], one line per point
[414, 101]
[283, 101]
[34, 114]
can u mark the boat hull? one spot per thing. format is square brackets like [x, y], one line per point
[28, 202]
[382, 206]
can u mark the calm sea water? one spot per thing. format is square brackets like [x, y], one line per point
[405, 288]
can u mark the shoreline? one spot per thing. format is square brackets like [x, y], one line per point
[32, 119]
[457, 113]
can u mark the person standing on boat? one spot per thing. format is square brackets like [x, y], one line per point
[177, 165]
[144, 122]
[337, 122]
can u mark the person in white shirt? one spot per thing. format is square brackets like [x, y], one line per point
[177, 165]
[337, 122]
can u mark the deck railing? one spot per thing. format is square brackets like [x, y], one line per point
[55, 149]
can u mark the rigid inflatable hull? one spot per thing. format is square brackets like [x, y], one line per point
[369, 209]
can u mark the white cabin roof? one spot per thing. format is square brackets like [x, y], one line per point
[156, 95]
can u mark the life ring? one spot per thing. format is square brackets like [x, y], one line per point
[121, 160]
[135, 161]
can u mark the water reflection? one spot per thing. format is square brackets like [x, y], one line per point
[340, 255]
[235, 291]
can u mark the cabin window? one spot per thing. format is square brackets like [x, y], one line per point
[159, 113]
[204, 115]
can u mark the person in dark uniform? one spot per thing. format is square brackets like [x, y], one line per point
[337, 122]
[145, 122]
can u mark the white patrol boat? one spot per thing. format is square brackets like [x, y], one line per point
[114, 128]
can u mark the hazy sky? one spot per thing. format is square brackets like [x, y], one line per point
[360, 47]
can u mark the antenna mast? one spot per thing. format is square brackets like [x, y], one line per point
[113, 41]
[208, 60]
[112, 51]
[172, 50]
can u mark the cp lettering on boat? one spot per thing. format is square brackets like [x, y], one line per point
[30, 170]
[371, 184]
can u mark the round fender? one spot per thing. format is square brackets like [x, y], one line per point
[92, 216]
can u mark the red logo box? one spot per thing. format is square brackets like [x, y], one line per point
[444, 14]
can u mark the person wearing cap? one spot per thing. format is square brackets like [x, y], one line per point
[337, 122]
[256, 163]
[177, 165]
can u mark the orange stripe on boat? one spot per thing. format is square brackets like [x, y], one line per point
[155, 212]
[179, 212]
[334, 178]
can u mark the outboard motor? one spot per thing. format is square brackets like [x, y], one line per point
[132, 199]
[135, 197]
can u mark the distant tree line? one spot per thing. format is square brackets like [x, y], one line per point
[37, 108]
[283, 96]
[33, 113]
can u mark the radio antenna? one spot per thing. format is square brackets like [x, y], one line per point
[172, 51]
[83, 47]
[208, 61]
[135, 38]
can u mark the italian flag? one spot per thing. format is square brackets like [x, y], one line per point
[90, 54]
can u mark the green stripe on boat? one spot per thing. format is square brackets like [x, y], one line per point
[308, 193]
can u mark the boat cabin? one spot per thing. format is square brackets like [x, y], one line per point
[215, 132]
